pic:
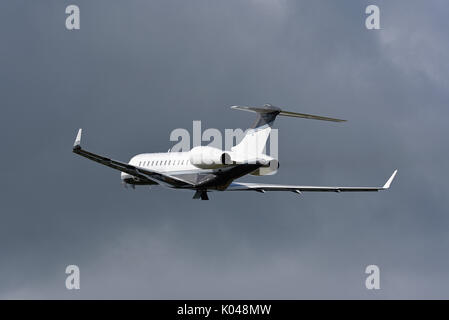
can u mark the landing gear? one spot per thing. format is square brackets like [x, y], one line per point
[125, 185]
[201, 194]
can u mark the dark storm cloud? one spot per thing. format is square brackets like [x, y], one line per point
[139, 69]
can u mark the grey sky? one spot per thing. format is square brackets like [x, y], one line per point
[138, 69]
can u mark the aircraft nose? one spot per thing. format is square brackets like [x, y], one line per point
[125, 176]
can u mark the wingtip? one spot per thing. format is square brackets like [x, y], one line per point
[78, 139]
[390, 180]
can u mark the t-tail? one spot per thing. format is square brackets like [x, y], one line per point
[253, 143]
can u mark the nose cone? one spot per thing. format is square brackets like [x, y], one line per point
[125, 176]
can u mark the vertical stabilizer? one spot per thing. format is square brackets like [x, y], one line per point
[253, 143]
[255, 139]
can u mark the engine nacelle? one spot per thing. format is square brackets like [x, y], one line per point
[270, 168]
[206, 157]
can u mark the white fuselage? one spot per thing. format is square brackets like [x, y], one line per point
[173, 162]
[166, 161]
[199, 160]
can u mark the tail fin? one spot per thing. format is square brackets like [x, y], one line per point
[256, 137]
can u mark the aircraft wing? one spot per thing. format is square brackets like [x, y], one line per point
[260, 187]
[145, 175]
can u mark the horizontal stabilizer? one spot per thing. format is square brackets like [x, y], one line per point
[267, 108]
[308, 116]
[270, 109]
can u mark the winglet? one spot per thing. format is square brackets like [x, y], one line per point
[387, 184]
[77, 143]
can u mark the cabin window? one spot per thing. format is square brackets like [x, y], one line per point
[169, 162]
[152, 162]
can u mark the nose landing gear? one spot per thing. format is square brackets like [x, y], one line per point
[201, 194]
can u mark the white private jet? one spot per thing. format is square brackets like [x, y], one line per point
[205, 168]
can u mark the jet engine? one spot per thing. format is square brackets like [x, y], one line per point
[206, 157]
[270, 168]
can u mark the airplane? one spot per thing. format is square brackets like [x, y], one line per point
[205, 169]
